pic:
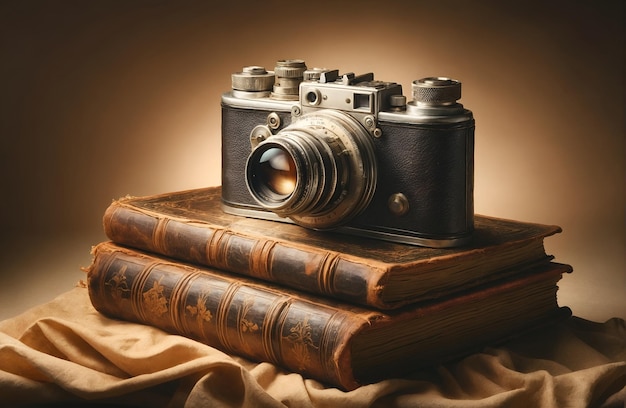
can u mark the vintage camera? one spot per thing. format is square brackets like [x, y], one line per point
[348, 153]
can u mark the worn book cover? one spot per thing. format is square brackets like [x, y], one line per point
[191, 226]
[335, 343]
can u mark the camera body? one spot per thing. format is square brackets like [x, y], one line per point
[347, 153]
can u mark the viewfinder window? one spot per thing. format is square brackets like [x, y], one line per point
[362, 101]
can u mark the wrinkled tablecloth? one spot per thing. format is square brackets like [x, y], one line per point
[66, 352]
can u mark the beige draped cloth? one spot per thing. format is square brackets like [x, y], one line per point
[65, 351]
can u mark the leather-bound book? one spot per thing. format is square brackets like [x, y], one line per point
[191, 226]
[336, 343]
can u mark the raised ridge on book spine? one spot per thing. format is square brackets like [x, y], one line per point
[246, 319]
[320, 271]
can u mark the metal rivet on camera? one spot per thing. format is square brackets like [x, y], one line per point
[295, 111]
[378, 133]
[369, 122]
[398, 204]
[273, 120]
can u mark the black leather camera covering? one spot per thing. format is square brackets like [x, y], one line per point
[433, 166]
[236, 126]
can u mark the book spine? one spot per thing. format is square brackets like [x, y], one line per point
[233, 315]
[315, 271]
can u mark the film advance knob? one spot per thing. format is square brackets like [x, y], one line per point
[436, 91]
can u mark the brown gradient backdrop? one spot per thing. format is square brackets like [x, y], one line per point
[106, 98]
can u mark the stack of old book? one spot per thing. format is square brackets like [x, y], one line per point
[343, 310]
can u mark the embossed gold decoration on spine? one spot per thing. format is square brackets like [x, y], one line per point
[107, 267]
[154, 300]
[300, 339]
[118, 284]
[243, 323]
[200, 310]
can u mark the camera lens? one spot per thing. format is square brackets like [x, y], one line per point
[320, 171]
[277, 171]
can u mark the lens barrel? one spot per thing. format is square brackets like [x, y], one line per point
[320, 171]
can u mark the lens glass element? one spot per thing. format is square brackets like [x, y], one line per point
[277, 171]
